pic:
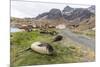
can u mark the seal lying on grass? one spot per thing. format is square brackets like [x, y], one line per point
[58, 38]
[43, 48]
[40, 47]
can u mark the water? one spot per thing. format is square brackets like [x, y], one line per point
[15, 29]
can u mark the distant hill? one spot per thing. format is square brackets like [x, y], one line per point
[68, 13]
[68, 9]
[92, 8]
[52, 14]
[72, 17]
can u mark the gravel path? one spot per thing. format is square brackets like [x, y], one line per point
[79, 39]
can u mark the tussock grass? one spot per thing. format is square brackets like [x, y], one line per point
[65, 51]
[88, 33]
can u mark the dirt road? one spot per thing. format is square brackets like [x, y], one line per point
[79, 39]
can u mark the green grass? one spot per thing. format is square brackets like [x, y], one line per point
[89, 33]
[23, 40]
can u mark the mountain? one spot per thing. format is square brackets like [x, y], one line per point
[92, 8]
[52, 14]
[67, 10]
[70, 16]
[78, 13]
[87, 24]
[42, 15]
[68, 13]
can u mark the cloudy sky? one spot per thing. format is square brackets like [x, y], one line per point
[32, 9]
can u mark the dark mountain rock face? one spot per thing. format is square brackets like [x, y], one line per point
[68, 9]
[80, 18]
[79, 13]
[92, 8]
[42, 15]
[68, 13]
[54, 14]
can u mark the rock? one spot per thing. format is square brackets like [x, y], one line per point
[60, 26]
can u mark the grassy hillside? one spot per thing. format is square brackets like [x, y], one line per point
[66, 51]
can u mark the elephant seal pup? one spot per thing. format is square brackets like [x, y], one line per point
[43, 48]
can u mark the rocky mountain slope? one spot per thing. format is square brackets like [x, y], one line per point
[80, 18]
[68, 13]
[70, 16]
